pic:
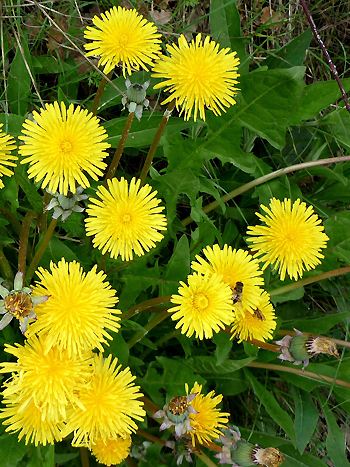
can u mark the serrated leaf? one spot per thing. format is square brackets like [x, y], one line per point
[336, 440]
[292, 54]
[306, 418]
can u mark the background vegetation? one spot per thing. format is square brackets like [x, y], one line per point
[288, 112]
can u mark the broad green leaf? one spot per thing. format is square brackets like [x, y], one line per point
[306, 417]
[19, 81]
[223, 346]
[292, 54]
[118, 347]
[337, 123]
[322, 324]
[56, 250]
[207, 365]
[177, 268]
[12, 123]
[12, 451]
[336, 440]
[29, 188]
[271, 405]
[41, 456]
[225, 26]
[339, 244]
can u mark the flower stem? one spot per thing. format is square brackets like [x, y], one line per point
[265, 345]
[145, 306]
[150, 437]
[155, 142]
[266, 178]
[310, 280]
[153, 322]
[11, 218]
[84, 457]
[41, 249]
[205, 459]
[119, 151]
[23, 240]
[99, 92]
[5, 267]
[303, 373]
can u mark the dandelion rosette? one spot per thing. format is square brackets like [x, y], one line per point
[63, 145]
[203, 307]
[257, 325]
[237, 269]
[125, 219]
[109, 405]
[123, 37]
[208, 420]
[198, 75]
[79, 312]
[7, 144]
[113, 451]
[292, 239]
[50, 379]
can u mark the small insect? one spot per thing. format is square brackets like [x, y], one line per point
[237, 292]
[259, 314]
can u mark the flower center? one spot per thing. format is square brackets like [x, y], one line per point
[178, 405]
[200, 301]
[19, 304]
[126, 218]
[66, 147]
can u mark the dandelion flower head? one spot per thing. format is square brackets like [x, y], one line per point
[208, 420]
[63, 145]
[113, 451]
[257, 325]
[123, 37]
[79, 312]
[7, 144]
[202, 307]
[291, 239]
[48, 378]
[236, 268]
[109, 404]
[125, 219]
[198, 75]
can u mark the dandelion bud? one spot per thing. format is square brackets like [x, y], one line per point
[135, 98]
[64, 206]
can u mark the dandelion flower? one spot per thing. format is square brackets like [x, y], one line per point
[79, 312]
[7, 144]
[23, 417]
[292, 239]
[208, 420]
[257, 325]
[126, 219]
[49, 378]
[198, 75]
[203, 306]
[237, 269]
[63, 145]
[109, 404]
[123, 37]
[113, 451]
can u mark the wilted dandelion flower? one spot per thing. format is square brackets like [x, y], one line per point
[109, 404]
[7, 144]
[125, 219]
[48, 378]
[208, 420]
[257, 325]
[23, 417]
[79, 312]
[123, 37]
[198, 75]
[62, 146]
[203, 307]
[292, 239]
[112, 451]
[237, 269]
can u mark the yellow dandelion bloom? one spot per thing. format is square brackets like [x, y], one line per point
[236, 268]
[203, 307]
[49, 378]
[79, 312]
[113, 451]
[126, 219]
[123, 37]
[109, 404]
[7, 144]
[24, 417]
[198, 75]
[63, 145]
[207, 422]
[257, 325]
[292, 239]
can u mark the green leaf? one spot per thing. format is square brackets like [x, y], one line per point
[206, 365]
[322, 324]
[223, 346]
[178, 267]
[119, 348]
[337, 123]
[336, 440]
[56, 250]
[306, 418]
[29, 188]
[12, 451]
[271, 405]
[19, 81]
[292, 54]
[225, 26]
[43, 456]
[12, 123]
